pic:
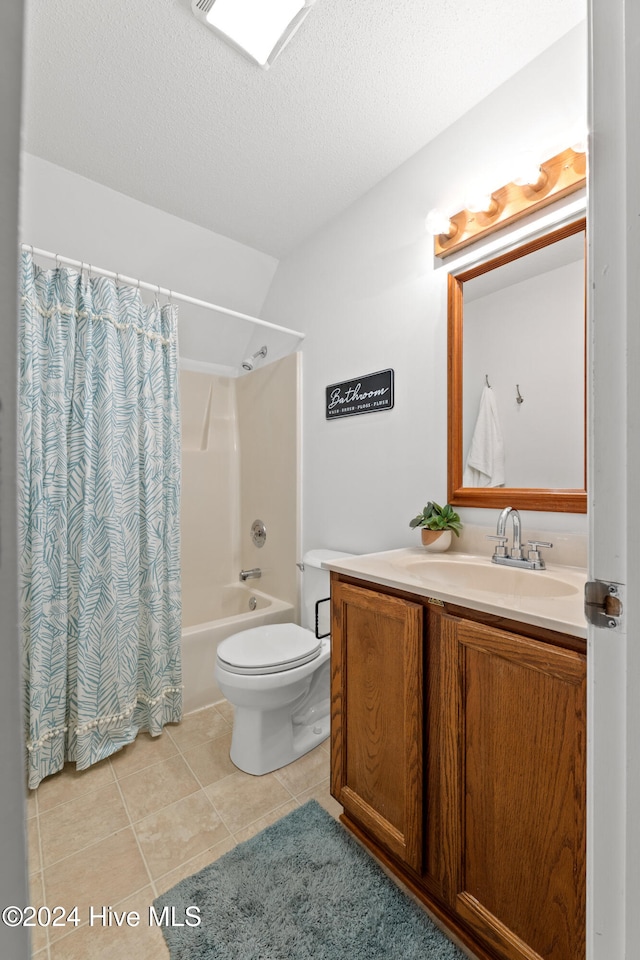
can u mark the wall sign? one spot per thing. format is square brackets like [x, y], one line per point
[367, 394]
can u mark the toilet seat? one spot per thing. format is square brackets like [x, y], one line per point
[271, 648]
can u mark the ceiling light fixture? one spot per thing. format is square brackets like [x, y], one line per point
[259, 29]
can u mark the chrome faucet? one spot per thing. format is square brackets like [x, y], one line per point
[515, 556]
[254, 574]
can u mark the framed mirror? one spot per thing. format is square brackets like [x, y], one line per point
[517, 377]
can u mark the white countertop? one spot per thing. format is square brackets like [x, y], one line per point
[551, 598]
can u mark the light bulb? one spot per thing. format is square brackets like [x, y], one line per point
[481, 203]
[438, 224]
[530, 175]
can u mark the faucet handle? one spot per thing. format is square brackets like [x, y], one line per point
[501, 550]
[534, 552]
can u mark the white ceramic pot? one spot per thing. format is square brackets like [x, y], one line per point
[436, 541]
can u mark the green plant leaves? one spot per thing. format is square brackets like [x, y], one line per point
[435, 517]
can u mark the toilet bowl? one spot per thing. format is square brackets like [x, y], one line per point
[277, 677]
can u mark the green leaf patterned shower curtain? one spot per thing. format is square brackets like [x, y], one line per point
[99, 533]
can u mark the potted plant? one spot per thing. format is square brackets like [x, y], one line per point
[437, 523]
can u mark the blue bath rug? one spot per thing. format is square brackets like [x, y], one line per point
[303, 889]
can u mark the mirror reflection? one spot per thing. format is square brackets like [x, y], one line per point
[517, 387]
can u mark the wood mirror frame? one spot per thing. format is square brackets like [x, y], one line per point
[522, 498]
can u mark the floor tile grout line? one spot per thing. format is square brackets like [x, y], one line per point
[196, 856]
[136, 838]
[232, 836]
[177, 867]
[192, 771]
[62, 803]
[206, 740]
[131, 823]
[179, 752]
[203, 787]
[43, 887]
[145, 766]
[261, 817]
[92, 842]
[85, 923]
[221, 815]
[117, 779]
[114, 770]
[217, 812]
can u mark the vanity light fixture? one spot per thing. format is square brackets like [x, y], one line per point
[538, 185]
[259, 29]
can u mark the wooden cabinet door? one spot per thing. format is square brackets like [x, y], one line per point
[376, 715]
[522, 762]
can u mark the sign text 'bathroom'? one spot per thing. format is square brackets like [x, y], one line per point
[368, 394]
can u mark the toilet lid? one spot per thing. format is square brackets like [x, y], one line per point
[268, 649]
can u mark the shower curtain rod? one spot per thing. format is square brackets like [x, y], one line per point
[154, 288]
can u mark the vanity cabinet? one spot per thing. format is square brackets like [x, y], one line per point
[377, 715]
[458, 752]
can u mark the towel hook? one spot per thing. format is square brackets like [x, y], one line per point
[519, 399]
[486, 380]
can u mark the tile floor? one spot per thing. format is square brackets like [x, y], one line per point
[131, 827]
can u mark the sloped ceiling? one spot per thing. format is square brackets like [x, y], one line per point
[140, 96]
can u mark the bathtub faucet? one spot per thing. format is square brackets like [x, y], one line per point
[254, 574]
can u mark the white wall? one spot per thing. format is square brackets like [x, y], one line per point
[78, 218]
[368, 295]
[13, 884]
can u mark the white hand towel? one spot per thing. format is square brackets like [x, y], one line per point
[485, 461]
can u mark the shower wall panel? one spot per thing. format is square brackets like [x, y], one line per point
[210, 489]
[267, 403]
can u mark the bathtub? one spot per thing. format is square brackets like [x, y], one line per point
[228, 610]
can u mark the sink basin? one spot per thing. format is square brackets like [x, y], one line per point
[490, 577]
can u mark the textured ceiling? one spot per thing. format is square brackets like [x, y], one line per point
[140, 96]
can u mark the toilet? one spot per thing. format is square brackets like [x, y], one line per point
[277, 677]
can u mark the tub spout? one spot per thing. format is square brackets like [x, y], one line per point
[254, 574]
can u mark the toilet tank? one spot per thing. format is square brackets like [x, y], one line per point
[315, 586]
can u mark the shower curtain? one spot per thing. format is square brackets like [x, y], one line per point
[98, 523]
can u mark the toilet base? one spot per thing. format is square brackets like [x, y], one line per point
[263, 741]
